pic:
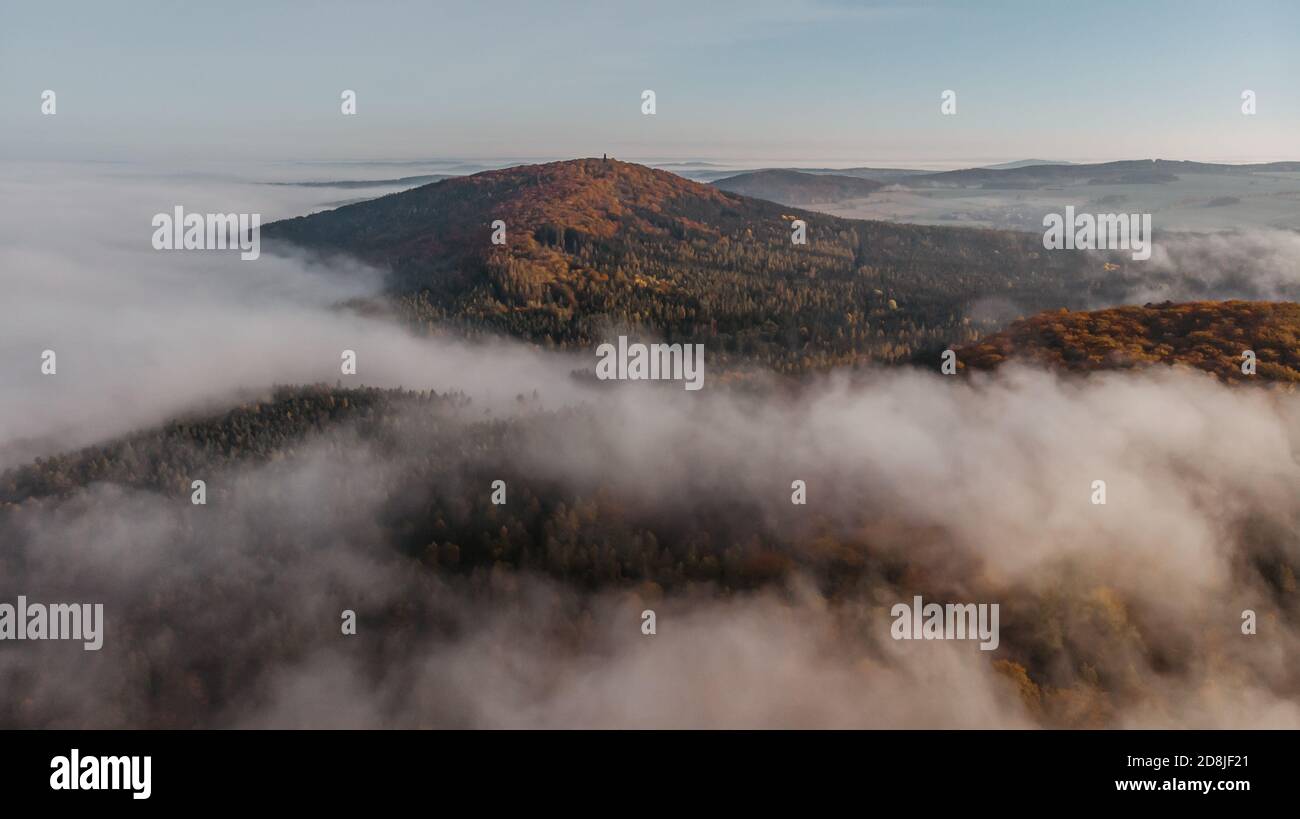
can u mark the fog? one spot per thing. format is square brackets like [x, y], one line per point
[962, 490]
[230, 614]
[141, 334]
[1249, 264]
[1267, 201]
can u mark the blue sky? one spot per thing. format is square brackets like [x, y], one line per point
[847, 83]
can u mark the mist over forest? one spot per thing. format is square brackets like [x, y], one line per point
[372, 493]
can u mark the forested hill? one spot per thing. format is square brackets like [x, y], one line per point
[595, 244]
[796, 188]
[166, 458]
[1207, 335]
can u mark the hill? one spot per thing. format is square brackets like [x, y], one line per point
[1128, 171]
[165, 458]
[796, 188]
[1030, 174]
[883, 175]
[595, 244]
[405, 181]
[1210, 336]
[1022, 163]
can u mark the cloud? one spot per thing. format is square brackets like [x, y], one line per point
[1247, 264]
[1128, 613]
[141, 335]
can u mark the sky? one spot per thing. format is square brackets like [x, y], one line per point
[809, 80]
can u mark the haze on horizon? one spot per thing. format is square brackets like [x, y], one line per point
[800, 80]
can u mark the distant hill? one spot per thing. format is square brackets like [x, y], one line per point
[885, 175]
[593, 244]
[1022, 163]
[796, 188]
[1129, 171]
[404, 181]
[1025, 173]
[1207, 335]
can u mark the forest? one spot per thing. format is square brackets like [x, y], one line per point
[1068, 650]
[1210, 336]
[593, 246]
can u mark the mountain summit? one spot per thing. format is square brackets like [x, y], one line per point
[589, 245]
[589, 198]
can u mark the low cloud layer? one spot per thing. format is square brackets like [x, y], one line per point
[230, 614]
[141, 335]
[1250, 264]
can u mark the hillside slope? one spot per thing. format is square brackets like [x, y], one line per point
[1211, 336]
[795, 188]
[1127, 171]
[594, 244]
